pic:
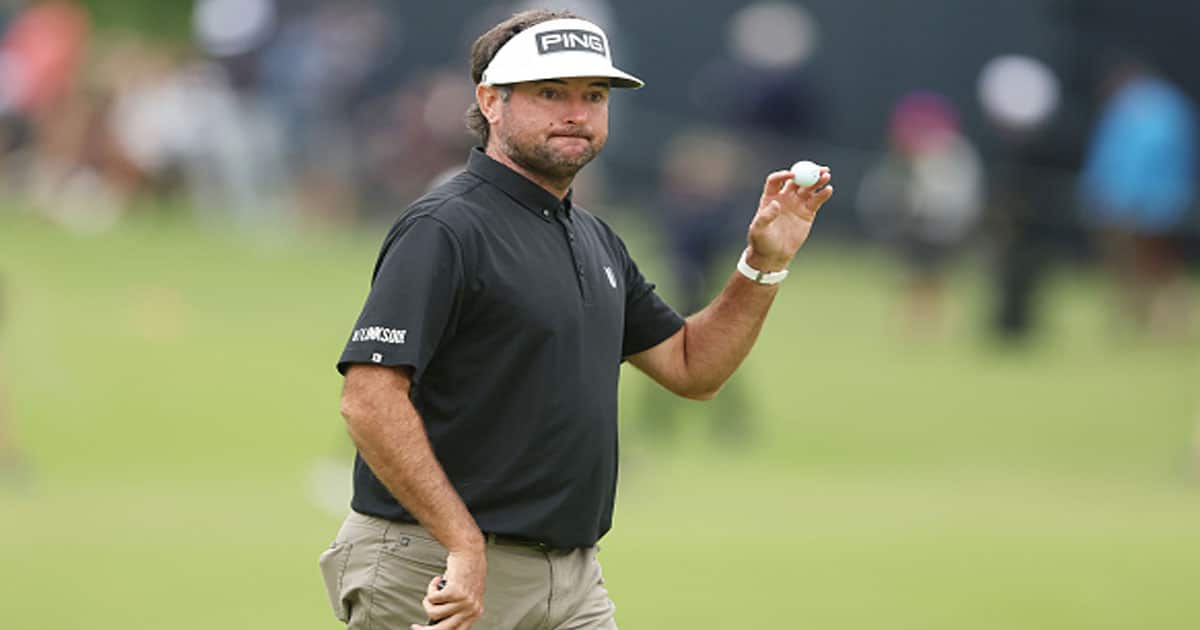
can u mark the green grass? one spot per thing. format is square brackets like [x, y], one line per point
[172, 387]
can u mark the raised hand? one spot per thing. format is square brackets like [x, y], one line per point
[784, 219]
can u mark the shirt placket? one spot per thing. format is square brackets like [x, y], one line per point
[565, 221]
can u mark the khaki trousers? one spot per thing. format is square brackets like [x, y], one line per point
[376, 573]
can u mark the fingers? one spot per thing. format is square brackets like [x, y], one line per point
[449, 606]
[783, 183]
[822, 181]
[767, 215]
[793, 198]
[823, 195]
[776, 181]
[456, 622]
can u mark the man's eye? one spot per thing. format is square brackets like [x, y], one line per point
[548, 93]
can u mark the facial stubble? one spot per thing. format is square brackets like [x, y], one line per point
[540, 158]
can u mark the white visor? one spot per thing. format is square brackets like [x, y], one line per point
[557, 49]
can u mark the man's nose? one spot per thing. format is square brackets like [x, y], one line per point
[577, 110]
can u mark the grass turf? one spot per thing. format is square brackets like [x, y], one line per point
[172, 387]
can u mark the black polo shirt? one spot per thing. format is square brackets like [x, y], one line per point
[514, 311]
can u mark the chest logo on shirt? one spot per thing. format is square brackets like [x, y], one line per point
[612, 277]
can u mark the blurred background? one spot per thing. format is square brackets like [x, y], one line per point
[976, 403]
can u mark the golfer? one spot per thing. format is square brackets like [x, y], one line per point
[481, 376]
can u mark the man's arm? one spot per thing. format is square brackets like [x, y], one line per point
[697, 360]
[391, 438]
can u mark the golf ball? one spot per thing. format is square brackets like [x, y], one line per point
[805, 173]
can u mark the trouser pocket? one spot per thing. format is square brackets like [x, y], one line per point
[333, 569]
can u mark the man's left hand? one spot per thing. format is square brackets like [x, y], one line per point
[785, 216]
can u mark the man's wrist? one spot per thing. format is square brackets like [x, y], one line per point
[764, 264]
[757, 275]
[471, 541]
[477, 545]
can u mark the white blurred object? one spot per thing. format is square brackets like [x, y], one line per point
[81, 201]
[1018, 91]
[773, 35]
[228, 146]
[226, 28]
[331, 485]
[157, 122]
[935, 197]
[946, 195]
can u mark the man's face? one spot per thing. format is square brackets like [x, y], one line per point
[554, 127]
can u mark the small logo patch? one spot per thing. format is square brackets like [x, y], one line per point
[379, 333]
[571, 40]
[612, 277]
[376, 358]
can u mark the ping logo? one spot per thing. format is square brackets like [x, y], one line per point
[571, 40]
[612, 277]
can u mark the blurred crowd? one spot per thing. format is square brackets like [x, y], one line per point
[274, 111]
[293, 112]
[307, 111]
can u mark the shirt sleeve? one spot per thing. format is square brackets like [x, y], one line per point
[649, 320]
[414, 299]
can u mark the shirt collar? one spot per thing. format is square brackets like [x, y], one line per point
[535, 198]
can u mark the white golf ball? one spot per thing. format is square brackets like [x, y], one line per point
[805, 173]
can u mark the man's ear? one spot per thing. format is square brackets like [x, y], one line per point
[488, 98]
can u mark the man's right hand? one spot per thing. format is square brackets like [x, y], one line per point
[457, 605]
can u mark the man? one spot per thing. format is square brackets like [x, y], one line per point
[481, 377]
[1137, 186]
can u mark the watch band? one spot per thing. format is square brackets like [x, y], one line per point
[761, 277]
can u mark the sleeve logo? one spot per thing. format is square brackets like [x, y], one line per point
[380, 334]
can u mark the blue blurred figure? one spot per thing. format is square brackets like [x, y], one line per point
[1137, 186]
[703, 225]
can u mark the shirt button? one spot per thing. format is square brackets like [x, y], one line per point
[545, 213]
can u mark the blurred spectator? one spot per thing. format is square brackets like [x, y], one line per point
[1020, 99]
[768, 47]
[924, 198]
[42, 52]
[1138, 182]
[701, 209]
[183, 129]
[316, 74]
[413, 135]
[762, 82]
[703, 221]
[48, 118]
